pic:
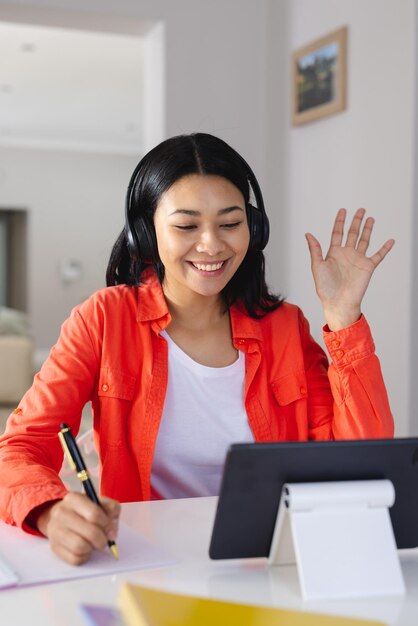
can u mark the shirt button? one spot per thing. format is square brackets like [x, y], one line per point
[105, 387]
[339, 353]
[303, 391]
[336, 343]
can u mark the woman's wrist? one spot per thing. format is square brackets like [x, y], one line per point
[337, 319]
[38, 518]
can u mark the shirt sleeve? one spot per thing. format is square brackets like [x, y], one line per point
[360, 402]
[30, 452]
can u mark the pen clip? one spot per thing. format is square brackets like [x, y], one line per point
[66, 450]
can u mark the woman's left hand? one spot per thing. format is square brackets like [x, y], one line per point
[342, 277]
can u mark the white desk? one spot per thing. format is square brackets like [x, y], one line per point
[183, 527]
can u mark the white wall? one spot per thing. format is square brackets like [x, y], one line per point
[3, 260]
[413, 363]
[360, 158]
[215, 58]
[75, 210]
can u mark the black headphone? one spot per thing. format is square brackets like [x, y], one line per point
[258, 222]
[140, 233]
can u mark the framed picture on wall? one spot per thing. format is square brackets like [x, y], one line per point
[319, 77]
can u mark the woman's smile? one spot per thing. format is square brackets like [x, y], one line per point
[209, 269]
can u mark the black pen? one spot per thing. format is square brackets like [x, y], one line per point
[75, 459]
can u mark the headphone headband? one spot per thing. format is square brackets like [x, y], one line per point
[140, 233]
[258, 221]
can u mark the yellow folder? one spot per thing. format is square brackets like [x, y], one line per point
[143, 606]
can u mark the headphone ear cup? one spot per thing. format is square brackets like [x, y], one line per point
[259, 228]
[142, 243]
[140, 234]
[131, 241]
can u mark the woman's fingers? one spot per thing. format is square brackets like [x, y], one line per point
[361, 240]
[354, 230]
[77, 526]
[315, 249]
[338, 228]
[380, 254]
[71, 546]
[358, 237]
[112, 508]
[79, 529]
[364, 240]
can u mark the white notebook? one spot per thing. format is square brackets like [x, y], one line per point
[28, 560]
[8, 578]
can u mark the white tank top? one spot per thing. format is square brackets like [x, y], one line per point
[203, 414]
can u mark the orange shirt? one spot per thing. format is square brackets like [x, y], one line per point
[110, 353]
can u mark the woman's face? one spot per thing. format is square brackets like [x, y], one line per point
[202, 234]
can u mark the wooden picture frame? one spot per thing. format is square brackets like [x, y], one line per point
[319, 72]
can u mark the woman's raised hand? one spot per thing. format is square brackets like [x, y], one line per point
[342, 277]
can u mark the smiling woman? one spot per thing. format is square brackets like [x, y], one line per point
[187, 351]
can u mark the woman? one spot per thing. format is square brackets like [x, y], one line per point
[186, 351]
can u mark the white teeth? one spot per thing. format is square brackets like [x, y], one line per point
[209, 268]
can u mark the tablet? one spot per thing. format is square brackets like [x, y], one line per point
[254, 474]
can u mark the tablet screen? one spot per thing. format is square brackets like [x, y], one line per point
[254, 474]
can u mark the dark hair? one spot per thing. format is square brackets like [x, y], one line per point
[174, 158]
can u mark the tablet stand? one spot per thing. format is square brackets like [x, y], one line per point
[340, 535]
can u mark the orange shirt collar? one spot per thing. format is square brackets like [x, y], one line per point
[152, 306]
[151, 302]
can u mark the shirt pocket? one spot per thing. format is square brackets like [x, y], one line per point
[116, 384]
[116, 390]
[290, 393]
[290, 388]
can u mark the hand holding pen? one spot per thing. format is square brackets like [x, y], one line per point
[76, 527]
[76, 461]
